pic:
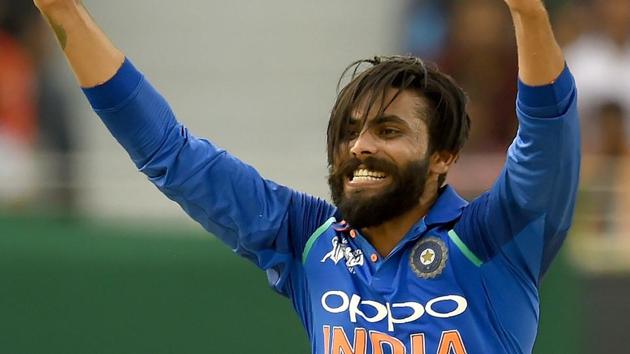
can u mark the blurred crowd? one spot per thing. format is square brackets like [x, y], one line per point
[470, 39]
[36, 140]
[473, 41]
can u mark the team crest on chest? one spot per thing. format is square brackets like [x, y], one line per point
[428, 257]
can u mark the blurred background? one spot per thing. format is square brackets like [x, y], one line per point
[94, 260]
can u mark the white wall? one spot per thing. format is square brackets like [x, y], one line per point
[256, 77]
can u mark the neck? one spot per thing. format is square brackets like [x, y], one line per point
[386, 236]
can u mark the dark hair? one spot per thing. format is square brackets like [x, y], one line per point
[447, 120]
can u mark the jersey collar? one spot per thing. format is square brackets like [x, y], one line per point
[446, 208]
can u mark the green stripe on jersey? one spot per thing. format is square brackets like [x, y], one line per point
[311, 240]
[464, 249]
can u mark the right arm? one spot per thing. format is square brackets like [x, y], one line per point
[92, 56]
[260, 220]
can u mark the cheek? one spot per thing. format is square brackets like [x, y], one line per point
[340, 155]
[336, 165]
[421, 142]
[404, 151]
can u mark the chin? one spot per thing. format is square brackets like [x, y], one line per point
[364, 195]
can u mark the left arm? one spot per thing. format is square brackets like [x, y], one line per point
[524, 218]
[540, 58]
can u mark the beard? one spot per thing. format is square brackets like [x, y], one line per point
[398, 197]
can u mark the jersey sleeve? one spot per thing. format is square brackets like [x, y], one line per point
[258, 219]
[524, 218]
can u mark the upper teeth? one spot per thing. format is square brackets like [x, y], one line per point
[368, 173]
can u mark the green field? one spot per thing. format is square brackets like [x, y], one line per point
[76, 286]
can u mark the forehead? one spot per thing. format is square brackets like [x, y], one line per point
[405, 104]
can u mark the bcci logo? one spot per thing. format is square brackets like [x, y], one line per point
[428, 257]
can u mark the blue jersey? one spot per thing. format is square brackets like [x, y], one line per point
[465, 277]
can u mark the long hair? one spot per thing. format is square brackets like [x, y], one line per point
[447, 121]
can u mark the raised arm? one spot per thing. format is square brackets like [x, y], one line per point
[540, 58]
[523, 219]
[92, 56]
[259, 219]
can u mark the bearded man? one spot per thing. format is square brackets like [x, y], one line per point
[400, 264]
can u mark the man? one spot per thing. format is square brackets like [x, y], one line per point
[413, 268]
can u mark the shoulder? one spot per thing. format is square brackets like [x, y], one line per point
[326, 231]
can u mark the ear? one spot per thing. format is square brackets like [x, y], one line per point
[441, 162]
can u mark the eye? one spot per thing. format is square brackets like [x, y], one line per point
[389, 132]
[350, 134]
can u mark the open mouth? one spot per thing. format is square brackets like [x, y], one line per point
[363, 175]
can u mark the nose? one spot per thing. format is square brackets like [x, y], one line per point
[363, 145]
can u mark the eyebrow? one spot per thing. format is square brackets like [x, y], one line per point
[382, 119]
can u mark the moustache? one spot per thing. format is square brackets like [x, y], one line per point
[347, 167]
